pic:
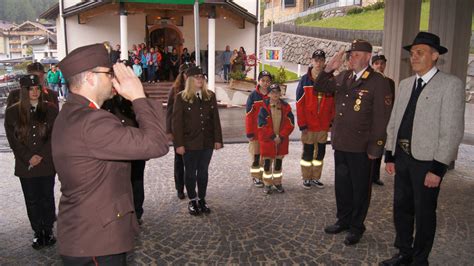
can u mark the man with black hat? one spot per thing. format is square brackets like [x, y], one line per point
[363, 104]
[38, 70]
[424, 133]
[91, 152]
[315, 111]
[254, 102]
[378, 64]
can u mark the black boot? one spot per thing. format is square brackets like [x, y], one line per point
[38, 242]
[193, 207]
[48, 238]
[203, 206]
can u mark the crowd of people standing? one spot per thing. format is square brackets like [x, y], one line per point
[419, 131]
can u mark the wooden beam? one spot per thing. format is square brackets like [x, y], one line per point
[89, 14]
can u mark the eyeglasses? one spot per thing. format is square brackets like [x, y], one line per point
[198, 76]
[109, 73]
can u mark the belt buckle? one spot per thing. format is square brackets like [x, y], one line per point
[405, 145]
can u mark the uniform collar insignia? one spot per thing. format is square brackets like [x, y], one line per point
[91, 105]
[365, 75]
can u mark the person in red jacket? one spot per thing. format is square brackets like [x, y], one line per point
[275, 124]
[314, 111]
[254, 102]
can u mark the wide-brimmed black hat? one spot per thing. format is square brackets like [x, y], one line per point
[429, 39]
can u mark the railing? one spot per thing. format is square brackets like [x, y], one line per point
[375, 37]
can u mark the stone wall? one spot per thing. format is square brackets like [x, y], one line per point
[298, 49]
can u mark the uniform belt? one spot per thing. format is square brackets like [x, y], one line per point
[404, 144]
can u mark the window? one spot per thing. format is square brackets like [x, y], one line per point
[289, 3]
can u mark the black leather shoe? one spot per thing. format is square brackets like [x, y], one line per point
[203, 206]
[38, 242]
[335, 229]
[352, 239]
[181, 195]
[378, 182]
[193, 207]
[397, 259]
[48, 238]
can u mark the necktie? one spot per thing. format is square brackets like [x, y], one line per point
[419, 85]
[199, 95]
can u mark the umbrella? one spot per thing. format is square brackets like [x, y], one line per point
[49, 60]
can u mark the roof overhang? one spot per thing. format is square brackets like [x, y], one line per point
[88, 9]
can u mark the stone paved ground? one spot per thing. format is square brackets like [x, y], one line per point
[248, 227]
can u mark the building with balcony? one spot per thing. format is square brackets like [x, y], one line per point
[15, 39]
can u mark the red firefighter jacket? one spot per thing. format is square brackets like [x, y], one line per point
[314, 110]
[254, 102]
[266, 135]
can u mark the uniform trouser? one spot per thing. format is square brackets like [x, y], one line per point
[138, 171]
[178, 172]
[353, 189]
[256, 168]
[39, 199]
[314, 149]
[414, 204]
[376, 169]
[196, 165]
[109, 260]
[272, 170]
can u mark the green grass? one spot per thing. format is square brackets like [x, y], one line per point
[290, 76]
[370, 20]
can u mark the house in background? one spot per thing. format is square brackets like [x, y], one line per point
[43, 47]
[5, 26]
[287, 10]
[14, 40]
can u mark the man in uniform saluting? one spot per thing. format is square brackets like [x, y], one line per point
[91, 153]
[363, 105]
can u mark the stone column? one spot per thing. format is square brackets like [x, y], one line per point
[401, 24]
[197, 48]
[451, 21]
[211, 50]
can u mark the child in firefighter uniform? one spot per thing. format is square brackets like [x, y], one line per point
[275, 124]
[254, 102]
[314, 111]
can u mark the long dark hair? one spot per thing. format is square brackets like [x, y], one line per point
[24, 122]
[179, 83]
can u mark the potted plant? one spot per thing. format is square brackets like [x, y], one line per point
[239, 79]
[280, 79]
